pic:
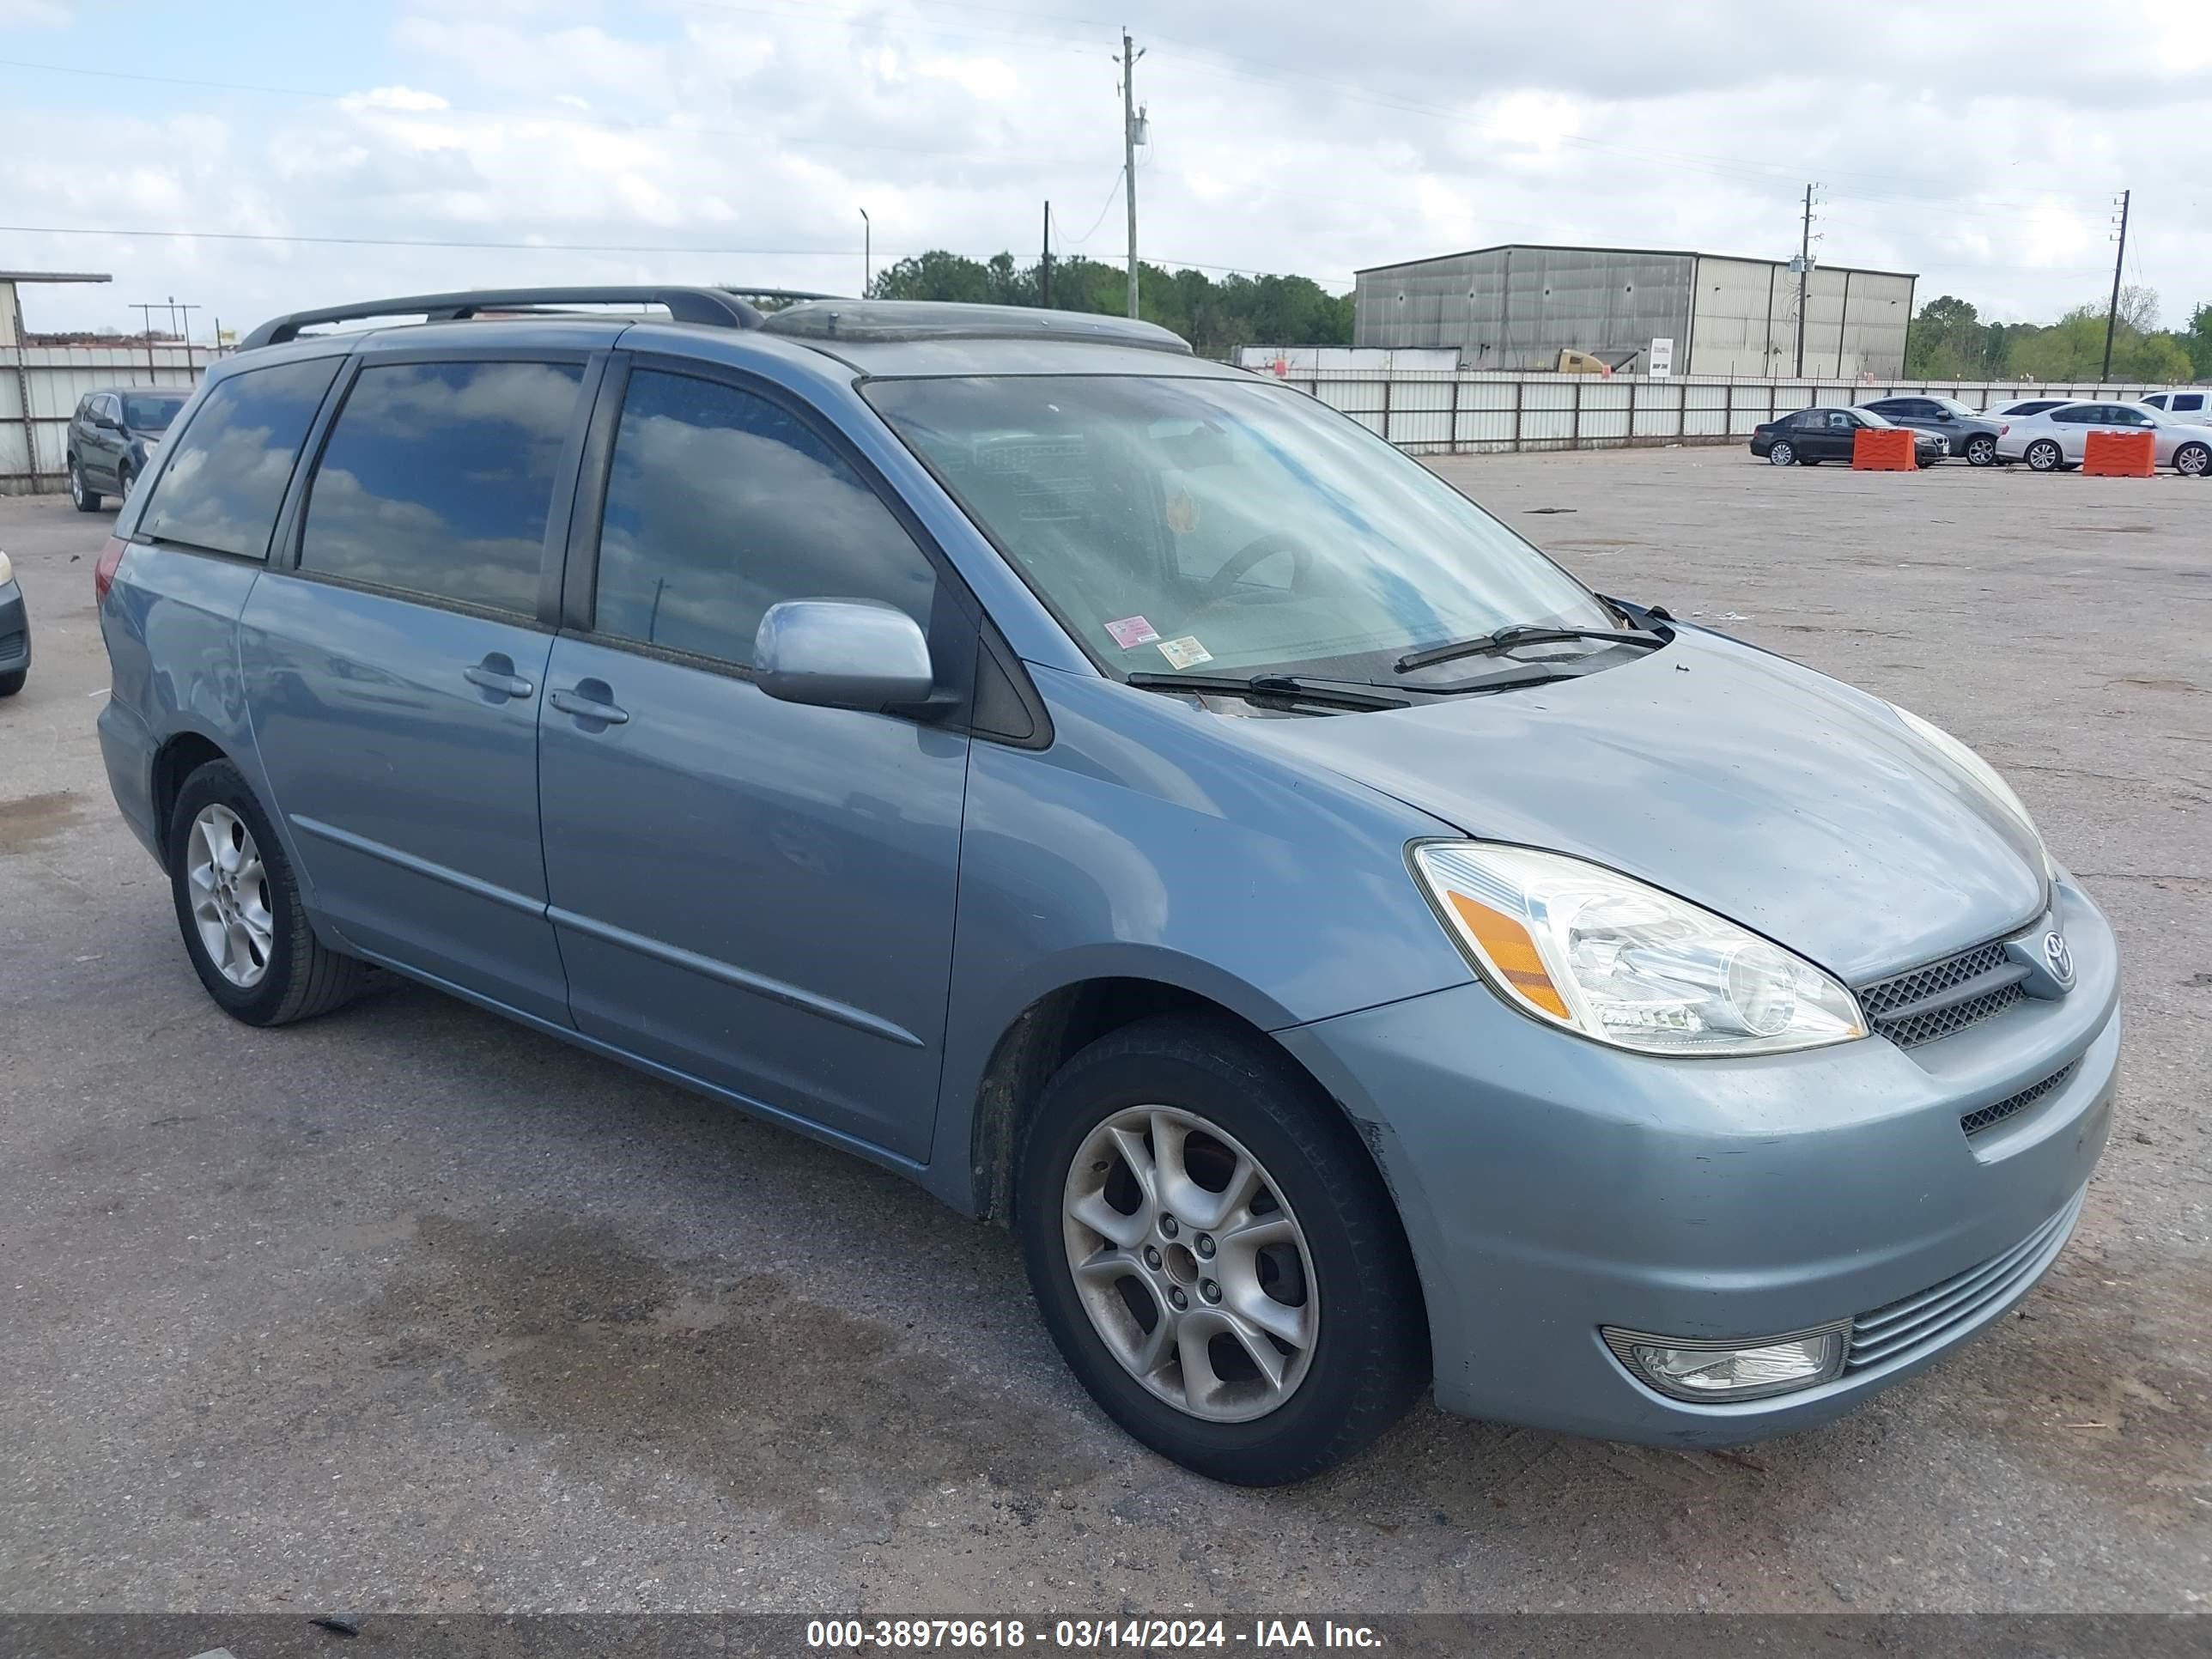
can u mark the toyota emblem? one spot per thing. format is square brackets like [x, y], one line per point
[2061, 958]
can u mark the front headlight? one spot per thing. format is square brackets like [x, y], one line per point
[7, 570]
[1588, 948]
[1980, 772]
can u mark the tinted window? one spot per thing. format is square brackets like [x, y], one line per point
[720, 504]
[2119, 415]
[226, 476]
[151, 411]
[2078, 415]
[2187, 400]
[438, 477]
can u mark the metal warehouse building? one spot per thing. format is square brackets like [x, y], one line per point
[1519, 305]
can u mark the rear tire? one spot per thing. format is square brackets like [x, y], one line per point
[1981, 451]
[2044, 456]
[1783, 453]
[281, 972]
[1335, 1273]
[84, 500]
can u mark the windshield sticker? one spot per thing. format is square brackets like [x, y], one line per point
[1181, 510]
[1185, 653]
[1131, 632]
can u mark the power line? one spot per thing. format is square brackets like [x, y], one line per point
[1112, 195]
[1164, 260]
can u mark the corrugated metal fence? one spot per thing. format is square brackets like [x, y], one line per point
[1427, 412]
[39, 386]
[1470, 411]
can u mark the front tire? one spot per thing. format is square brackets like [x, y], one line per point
[12, 682]
[82, 499]
[1782, 452]
[238, 905]
[125, 479]
[1214, 1254]
[2193, 460]
[1981, 451]
[2044, 456]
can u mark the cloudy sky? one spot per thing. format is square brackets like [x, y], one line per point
[329, 149]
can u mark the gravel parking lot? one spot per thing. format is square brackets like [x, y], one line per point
[411, 1308]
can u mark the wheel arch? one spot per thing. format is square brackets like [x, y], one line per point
[1051, 1031]
[180, 755]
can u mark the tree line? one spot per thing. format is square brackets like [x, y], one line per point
[1215, 314]
[1949, 341]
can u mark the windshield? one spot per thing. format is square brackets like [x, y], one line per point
[151, 411]
[1170, 523]
[1953, 405]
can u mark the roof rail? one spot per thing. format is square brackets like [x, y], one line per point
[717, 307]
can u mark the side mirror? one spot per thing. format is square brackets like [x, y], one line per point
[841, 654]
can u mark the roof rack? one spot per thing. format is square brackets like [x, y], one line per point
[875, 322]
[716, 307]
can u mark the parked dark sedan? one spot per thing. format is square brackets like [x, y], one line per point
[112, 435]
[1814, 436]
[1971, 436]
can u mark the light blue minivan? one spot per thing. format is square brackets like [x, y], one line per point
[1142, 806]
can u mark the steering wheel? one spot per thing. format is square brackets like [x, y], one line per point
[1261, 547]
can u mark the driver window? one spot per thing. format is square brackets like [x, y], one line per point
[1837, 418]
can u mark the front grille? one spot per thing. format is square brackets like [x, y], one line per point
[1943, 997]
[1973, 1122]
[1916, 1324]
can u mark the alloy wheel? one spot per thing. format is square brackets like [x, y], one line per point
[2193, 461]
[1980, 452]
[1191, 1267]
[229, 891]
[76, 485]
[1781, 454]
[2042, 455]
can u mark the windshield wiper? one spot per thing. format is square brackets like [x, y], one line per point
[1282, 687]
[1506, 639]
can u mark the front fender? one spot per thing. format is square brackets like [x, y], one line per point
[1145, 844]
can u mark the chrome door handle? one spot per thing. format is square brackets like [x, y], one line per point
[575, 702]
[496, 673]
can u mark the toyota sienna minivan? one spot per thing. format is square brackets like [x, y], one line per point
[1137, 804]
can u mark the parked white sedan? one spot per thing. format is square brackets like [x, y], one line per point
[2056, 438]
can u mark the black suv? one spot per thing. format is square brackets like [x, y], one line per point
[111, 434]
[1972, 436]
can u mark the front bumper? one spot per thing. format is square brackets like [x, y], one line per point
[15, 628]
[1551, 1186]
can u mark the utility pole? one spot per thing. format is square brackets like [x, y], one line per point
[145, 310]
[868, 251]
[1129, 60]
[1044, 268]
[2113, 316]
[185, 332]
[1804, 277]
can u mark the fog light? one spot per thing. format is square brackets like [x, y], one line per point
[1691, 1368]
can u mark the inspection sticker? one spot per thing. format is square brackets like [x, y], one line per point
[1131, 632]
[1185, 653]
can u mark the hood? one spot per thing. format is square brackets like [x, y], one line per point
[1775, 796]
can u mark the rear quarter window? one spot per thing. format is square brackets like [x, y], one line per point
[227, 474]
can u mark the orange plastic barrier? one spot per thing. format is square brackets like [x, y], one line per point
[2119, 455]
[1878, 450]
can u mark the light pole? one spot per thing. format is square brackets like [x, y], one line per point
[867, 259]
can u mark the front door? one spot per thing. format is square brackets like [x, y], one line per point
[394, 676]
[751, 893]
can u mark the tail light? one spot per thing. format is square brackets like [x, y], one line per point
[103, 573]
